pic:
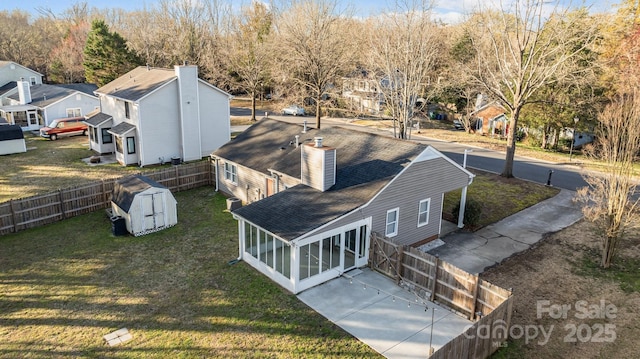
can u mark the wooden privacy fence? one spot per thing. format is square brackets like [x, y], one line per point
[435, 280]
[35, 211]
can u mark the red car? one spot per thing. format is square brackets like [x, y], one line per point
[64, 127]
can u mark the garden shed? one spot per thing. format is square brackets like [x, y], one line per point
[11, 140]
[146, 205]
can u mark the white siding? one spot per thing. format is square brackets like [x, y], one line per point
[83, 101]
[159, 128]
[7, 74]
[215, 127]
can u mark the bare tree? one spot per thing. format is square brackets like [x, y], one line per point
[610, 200]
[66, 59]
[404, 48]
[520, 49]
[315, 52]
[248, 51]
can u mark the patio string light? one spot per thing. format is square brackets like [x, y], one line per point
[418, 300]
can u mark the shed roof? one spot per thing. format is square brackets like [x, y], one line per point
[10, 132]
[126, 189]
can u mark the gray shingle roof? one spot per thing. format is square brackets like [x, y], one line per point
[81, 87]
[98, 118]
[262, 145]
[8, 86]
[137, 83]
[365, 164]
[44, 95]
[126, 189]
[121, 128]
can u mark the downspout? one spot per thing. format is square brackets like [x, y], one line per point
[215, 162]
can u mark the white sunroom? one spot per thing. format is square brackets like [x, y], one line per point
[305, 262]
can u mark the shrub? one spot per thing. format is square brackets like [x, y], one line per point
[472, 212]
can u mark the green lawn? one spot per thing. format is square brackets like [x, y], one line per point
[49, 165]
[499, 197]
[63, 286]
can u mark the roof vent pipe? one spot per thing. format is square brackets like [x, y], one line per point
[304, 127]
[297, 140]
[318, 141]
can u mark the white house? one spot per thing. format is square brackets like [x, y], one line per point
[10, 74]
[35, 106]
[152, 115]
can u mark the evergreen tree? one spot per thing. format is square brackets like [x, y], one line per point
[106, 56]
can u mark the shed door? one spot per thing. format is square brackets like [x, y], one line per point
[153, 210]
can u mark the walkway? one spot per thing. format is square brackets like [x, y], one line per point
[475, 251]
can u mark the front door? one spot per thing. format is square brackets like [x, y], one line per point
[270, 187]
[355, 248]
[33, 119]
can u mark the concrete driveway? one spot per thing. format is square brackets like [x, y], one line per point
[372, 308]
[474, 252]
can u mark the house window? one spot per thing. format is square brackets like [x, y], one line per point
[32, 79]
[423, 212]
[119, 144]
[131, 145]
[106, 136]
[268, 249]
[127, 112]
[74, 112]
[392, 222]
[93, 134]
[231, 172]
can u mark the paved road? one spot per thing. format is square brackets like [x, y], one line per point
[564, 176]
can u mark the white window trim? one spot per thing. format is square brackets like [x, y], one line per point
[33, 80]
[231, 173]
[428, 211]
[73, 111]
[397, 222]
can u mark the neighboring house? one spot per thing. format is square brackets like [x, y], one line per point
[489, 119]
[36, 106]
[10, 74]
[316, 196]
[580, 139]
[150, 116]
[362, 92]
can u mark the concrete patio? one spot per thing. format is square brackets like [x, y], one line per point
[372, 308]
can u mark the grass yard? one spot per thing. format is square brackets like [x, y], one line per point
[66, 285]
[50, 165]
[499, 197]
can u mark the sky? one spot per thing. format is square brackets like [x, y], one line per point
[450, 11]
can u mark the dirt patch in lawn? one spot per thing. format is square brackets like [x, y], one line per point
[562, 270]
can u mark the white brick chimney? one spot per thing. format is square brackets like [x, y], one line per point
[318, 165]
